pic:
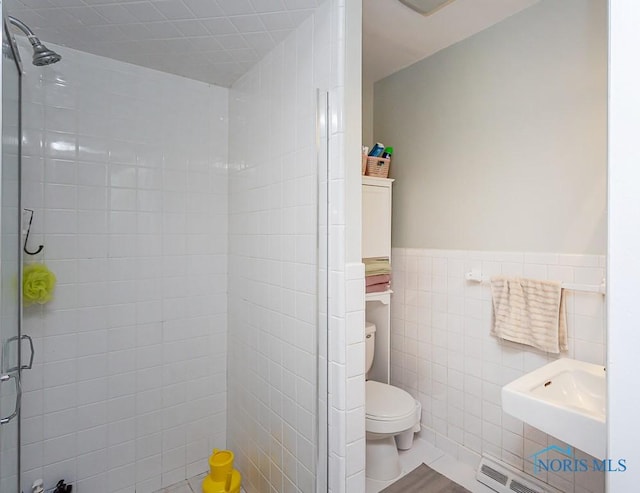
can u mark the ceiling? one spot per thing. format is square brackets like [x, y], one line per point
[394, 36]
[214, 41]
[217, 41]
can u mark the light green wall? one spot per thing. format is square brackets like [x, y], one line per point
[367, 114]
[500, 140]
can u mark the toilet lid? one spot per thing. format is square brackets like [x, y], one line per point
[386, 402]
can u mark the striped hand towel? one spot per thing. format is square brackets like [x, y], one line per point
[529, 312]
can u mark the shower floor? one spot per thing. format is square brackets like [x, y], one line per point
[191, 485]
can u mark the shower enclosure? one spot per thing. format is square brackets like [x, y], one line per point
[189, 229]
[191, 309]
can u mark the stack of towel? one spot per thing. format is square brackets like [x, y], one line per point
[377, 273]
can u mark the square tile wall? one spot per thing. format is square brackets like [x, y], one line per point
[346, 293]
[354, 375]
[126, 170]
[273, 261]
[442, 352]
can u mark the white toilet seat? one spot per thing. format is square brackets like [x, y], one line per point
[389, 410]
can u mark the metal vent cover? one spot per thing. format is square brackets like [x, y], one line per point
[518, 487]
[503, 478]
[493, 474]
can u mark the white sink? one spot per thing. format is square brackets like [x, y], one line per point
[566, 399]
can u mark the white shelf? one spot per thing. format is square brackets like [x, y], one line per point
[376, 242]
[384, 297]
[376, 180]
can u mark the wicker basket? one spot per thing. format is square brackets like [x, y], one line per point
[378, 166]
[364, 164]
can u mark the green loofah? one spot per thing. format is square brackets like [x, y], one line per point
[38, 283]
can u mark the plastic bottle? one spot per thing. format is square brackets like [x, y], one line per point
[377, 149]
[387, 152]
[222, 478]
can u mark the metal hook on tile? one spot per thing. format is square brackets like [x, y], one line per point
[26, 239]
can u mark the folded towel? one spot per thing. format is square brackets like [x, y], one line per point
[376, 266]
[529, 312]
[378, 288]
[379, 279]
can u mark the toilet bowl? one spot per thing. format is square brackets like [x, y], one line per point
[389, 411]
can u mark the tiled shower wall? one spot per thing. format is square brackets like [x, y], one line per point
[273, 282]
[443, 354]
[125, 169]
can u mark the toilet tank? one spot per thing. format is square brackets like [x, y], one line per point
[369, 344]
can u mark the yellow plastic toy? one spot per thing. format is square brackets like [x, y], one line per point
[222, 478]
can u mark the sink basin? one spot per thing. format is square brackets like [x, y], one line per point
[566, 399]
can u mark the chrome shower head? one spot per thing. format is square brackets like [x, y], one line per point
[41, 54]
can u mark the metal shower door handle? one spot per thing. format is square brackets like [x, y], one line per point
[7, 348]
[33, 352]
[4, 378]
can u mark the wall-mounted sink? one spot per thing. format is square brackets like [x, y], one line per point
[566, 399]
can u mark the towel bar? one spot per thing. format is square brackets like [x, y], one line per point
[476, 276]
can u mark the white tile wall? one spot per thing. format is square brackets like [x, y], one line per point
[346, 286]
[354, 402]
[273, 262]
[443, 354]
[125, 168]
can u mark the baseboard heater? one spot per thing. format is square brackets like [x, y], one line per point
[504, 478]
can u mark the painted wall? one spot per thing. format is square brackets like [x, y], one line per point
[500, 140]
[273, 261]
[624, 241]
[443, 354]
[125, 168]
[367, 114]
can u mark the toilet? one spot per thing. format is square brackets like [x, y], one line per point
[390, 412]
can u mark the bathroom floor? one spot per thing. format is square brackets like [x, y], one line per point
[423, 451]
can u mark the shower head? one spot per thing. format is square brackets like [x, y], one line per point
[41, 54]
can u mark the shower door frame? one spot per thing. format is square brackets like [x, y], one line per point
[322, 287]
[6, 344]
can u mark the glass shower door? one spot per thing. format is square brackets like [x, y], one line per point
[10, 261]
